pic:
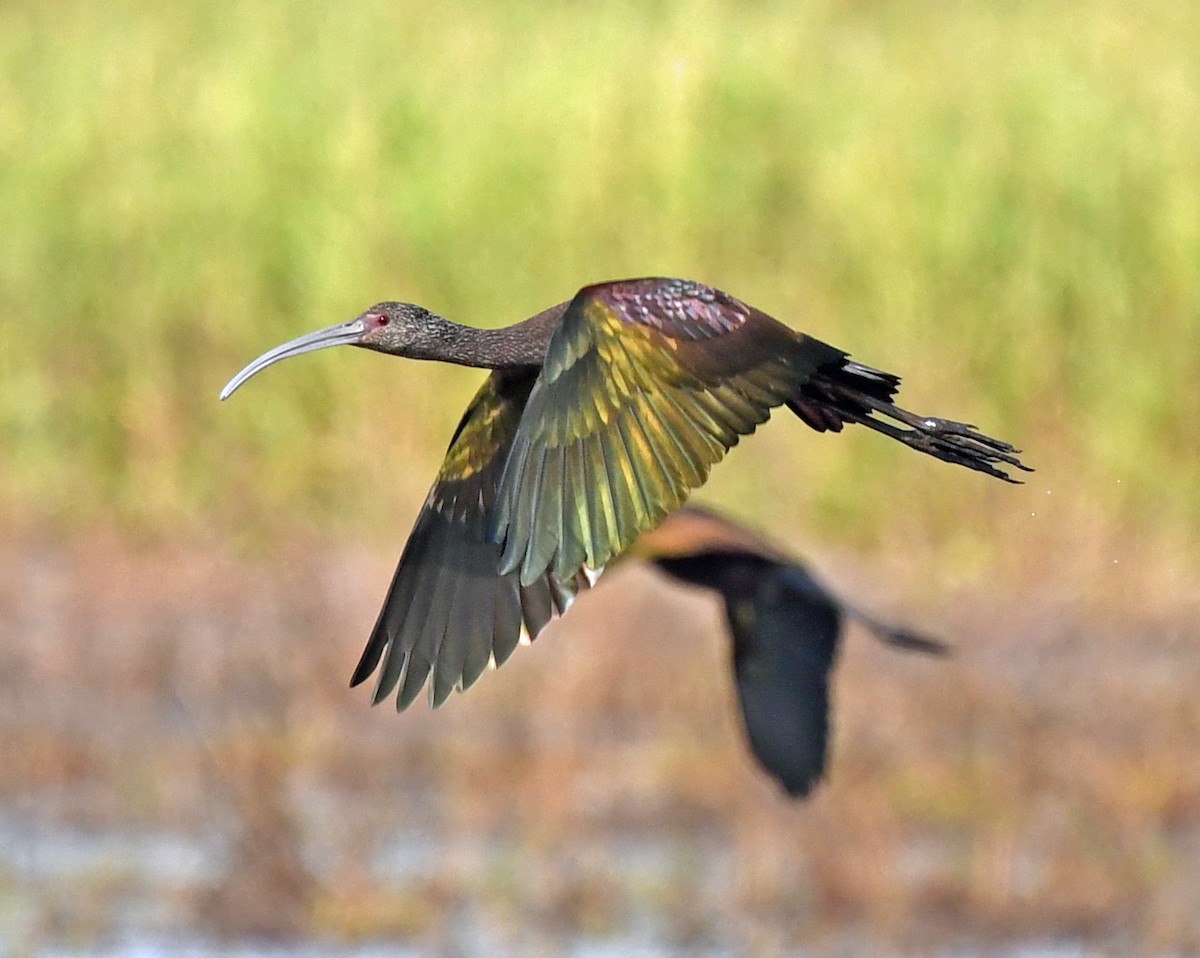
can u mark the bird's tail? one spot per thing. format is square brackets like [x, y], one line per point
[847, 391]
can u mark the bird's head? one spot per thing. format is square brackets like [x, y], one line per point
[402, 329]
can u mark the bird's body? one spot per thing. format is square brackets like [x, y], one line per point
[599, 417]
[785, 628]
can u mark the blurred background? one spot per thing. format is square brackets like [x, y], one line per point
[1001, 202]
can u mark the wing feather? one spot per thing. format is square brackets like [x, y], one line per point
[507, 632]
[655, 466]
[457, 630]
[635, 466]
[480, 616]
[576, 482]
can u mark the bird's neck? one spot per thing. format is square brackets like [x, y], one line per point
[511, 347]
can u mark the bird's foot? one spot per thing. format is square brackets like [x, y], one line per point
[961, 443]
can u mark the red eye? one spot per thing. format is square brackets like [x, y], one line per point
[382, 319]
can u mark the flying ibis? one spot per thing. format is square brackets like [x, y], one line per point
[785, 628]
[598, 418]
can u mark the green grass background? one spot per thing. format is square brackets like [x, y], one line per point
[1001, 202]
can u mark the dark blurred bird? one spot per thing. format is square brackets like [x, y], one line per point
[600, 415]
[785, 628]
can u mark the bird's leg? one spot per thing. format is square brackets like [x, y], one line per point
[896, 637]
[945, 439]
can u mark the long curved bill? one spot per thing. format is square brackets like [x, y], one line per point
[343, 334]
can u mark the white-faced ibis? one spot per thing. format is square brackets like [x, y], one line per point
[785, 628]
[600, 415]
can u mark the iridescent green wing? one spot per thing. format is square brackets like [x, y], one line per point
[449, 613]
[646, 384]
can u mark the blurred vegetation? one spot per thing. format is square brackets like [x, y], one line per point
[1033, 794]
[1000, 201]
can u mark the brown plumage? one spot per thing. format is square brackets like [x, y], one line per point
[599, 417]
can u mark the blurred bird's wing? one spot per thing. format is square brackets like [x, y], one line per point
[784, 644]
[449, 613]
[646, 384]
[784, 652]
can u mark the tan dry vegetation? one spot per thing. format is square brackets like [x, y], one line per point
[1040, 783]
